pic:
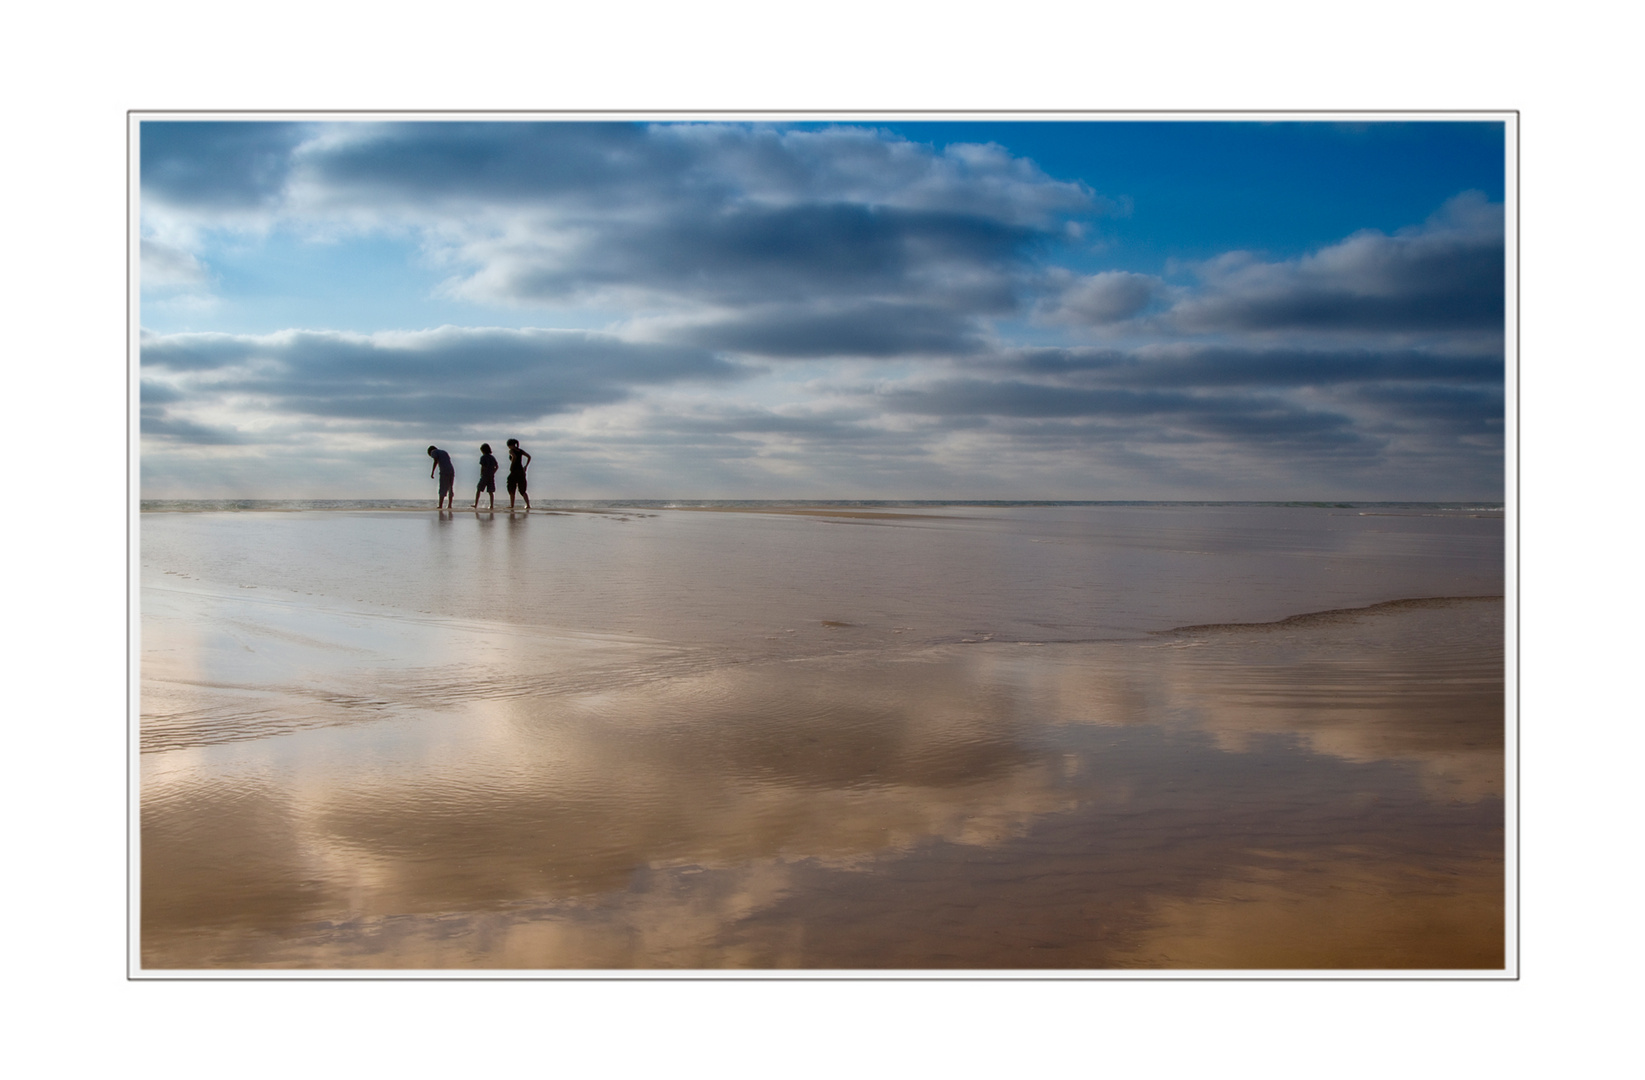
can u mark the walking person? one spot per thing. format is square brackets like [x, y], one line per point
[448, 477]
[488, 477]
[518, 459]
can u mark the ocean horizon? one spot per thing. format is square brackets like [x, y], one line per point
[1452, 505]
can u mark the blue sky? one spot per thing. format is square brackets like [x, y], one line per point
[853, 309]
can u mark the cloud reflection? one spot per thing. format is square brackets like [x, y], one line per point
[964, 806]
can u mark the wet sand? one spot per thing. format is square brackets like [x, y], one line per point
[859, 515]
[354, 778]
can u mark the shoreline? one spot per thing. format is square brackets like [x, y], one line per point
[1365, 507]
[1101, 807]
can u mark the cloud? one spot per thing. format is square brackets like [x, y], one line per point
[450, 375]
[752, 255]
[1248, 420]
[211, 167]
[1206, 366]
[1444, 276]
[1249, 399]
[867, 328]
[610, 169]
[1447, 274]
[164, 265]
[657, 221]
[1099, 299]
[1447, 409]
[155, 393]
[158, 422]
[719, 254]
[804, 278]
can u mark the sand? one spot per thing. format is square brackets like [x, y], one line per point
[925, 746]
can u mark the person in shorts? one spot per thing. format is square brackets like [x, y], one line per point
[488, 477]
[518, 459]
[448, 477]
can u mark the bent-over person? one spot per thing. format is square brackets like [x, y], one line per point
[448, 477]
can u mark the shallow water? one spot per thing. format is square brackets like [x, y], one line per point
[967, 739]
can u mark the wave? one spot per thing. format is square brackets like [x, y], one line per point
[1332, 615]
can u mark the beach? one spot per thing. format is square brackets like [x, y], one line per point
[892, 738]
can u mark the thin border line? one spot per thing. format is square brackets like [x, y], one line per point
[132, 905]
[1453, 113]
[1519, 749]
[134, 901]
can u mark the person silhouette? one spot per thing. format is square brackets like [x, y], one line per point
[518, 459]
[488, 477]
[448, 477]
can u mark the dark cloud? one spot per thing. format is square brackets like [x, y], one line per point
[157, 423]
[1227, 368]
[1446, 275]
[1109, 297]
[1325, 400]
[760, 254]
[1245, 419]
[1279, 426]
[1219, 366]
[153, 393]
[1304, 368]
[657, 220]
[513, 163]
[1005, 398]
[211, 166]
[610, 170]
[198, 352]
[872, 329]
[1058, 360]
[451, 375]
[822, 428]
[1481, 410]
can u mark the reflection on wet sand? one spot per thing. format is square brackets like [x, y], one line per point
[1416, 681]
[1322, 794]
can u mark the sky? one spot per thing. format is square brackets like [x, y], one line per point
[1120, 309]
